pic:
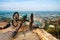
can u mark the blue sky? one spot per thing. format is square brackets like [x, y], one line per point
[30, 5]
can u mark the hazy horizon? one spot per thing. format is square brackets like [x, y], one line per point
[30, 5]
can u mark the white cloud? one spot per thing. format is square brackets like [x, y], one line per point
[27, 5]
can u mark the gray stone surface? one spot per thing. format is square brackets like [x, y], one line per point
[27, 36]
[5, 36]
[20, 36]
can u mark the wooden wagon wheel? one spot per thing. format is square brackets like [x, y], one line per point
[15, 19]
